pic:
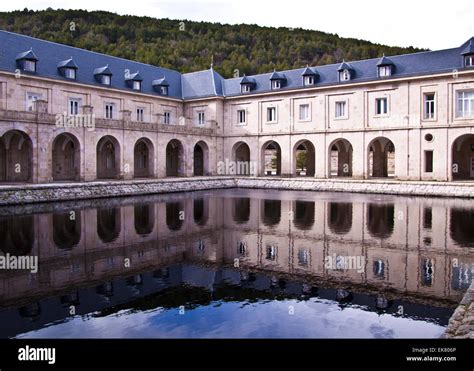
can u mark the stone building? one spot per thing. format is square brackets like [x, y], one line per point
[68, 114]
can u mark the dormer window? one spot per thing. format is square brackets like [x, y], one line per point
[105, 79]
[161, 86]
[245, 88]
[308, 80]
[276, 84]
[469, 60]
[309, 76]
[468, 54]
[103, 75]
[133, 80]
[68, 68]
[246, 84]
[27, 61]
[345, 71]
[137, 85]
[385, 67]
[384, 71]
[70, 73]
[164, 90]
[276, 80]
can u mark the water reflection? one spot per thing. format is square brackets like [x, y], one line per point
[207, 252]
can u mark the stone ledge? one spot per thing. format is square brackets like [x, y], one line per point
[461, 323]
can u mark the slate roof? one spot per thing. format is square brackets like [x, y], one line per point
[384, 61]
[308, 71]
[68, 63]
[209, 83]
[247, 80]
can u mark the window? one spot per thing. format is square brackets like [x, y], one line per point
[105, 79]
[428, 161]
[29, 66]
[303, 258]
[164, 90]
[167, 117]
[344, 75]
[465, 106]
[140, 114]
[276, 84]
[429, 106]
[427, 218]
[74, 106]
[379, 268]
[271, 114]
[109, 110]
[385, 71]
[308, 80]
[70, 73]
[469, 61]
[245, 88]
[304, 111]
[341, 109]
[31, 98]
[241, 119]
[271, 252]
[137, 85]
[381, 106]
[201, 118]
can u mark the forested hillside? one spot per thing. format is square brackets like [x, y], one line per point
[188, 46]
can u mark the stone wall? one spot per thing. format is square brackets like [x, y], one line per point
[461, 323]
[31, 193]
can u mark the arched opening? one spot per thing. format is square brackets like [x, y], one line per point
[271, 158]
[340, 217]
[174, 158]
[108, 224]
[67, 229]
[66, 157]
[304, 157]
[174, 215]
[340, 158]
[463, 158]
[380, 220]
[200, 211]
[381, 159]
[271, 212]
[16, 157]
[17, 234]
[241, 212]
[201, 159]
[143, 159]
[303, 214]
[108, 158]
[461, 226]
[144, 218]
[241, 158]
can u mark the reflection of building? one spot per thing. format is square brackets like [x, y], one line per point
[411, 247]
[361, 119]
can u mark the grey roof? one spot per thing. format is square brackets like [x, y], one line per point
[28, 55]
[469, 49]
[308, 71]
[68, 63]
[209, 83]
[384, 61]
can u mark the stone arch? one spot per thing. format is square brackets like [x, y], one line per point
[174, 215]
[108, 158]
[17, 234]
[381, 158]
[271, 212]
[241, 159]
[66, 157]
[460, 226]
[143, 158]
[271, 158]
[463, 157]
[340, 217]
[16, 157]
[241, 210]
[144, 218]
[109, 224]
[304, 158]
[303, 214]
[380, 220]
[67, 229]
[201, 211]
[201, 158]
[175, 158]
[340, 158]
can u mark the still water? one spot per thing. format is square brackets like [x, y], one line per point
[237, 264]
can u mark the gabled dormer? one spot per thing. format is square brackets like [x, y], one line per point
[27, 61]
[161, 86]
[134, 81]
[310, 76]
[385, 67]
[247, 84]
[68, 68]
[277, 80]
[103, 75]
[345, 71]
[468, 55]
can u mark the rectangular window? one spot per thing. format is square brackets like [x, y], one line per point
[245, 88]
[74, 106]
[304, 111]
[344, 75]
[137, 85]
[469, 61]
[340, 109]
[70, 73]
[308, 80]
[164, 90]
[29, 66]
[385, 71]
[465, 103]
[381, 106]
[276, 84]
[429, 106]
[427, 218]
[106, 79]
[109, 110]
[428, 161]
[241, 119]
[140, 114]
[31, 98]
[271, 252]
[271, 114]
[201, 118]
[167, 117]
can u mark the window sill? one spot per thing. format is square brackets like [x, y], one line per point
[341, 118]
[271, 122]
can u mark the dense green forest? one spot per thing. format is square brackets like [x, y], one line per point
[189, 46]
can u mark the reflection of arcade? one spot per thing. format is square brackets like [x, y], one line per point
[404, 256]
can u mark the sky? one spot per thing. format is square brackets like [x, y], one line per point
[431, 24]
